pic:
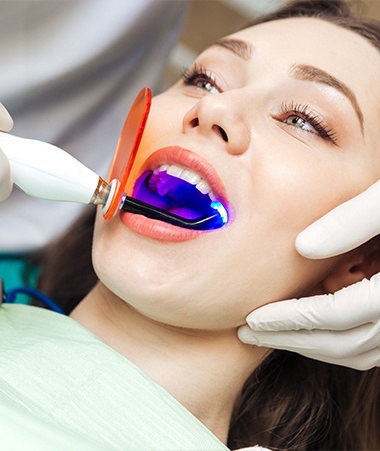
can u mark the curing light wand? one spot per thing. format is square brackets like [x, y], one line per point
[214, 220]
[48, 172]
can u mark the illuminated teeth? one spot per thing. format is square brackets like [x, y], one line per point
[162, 168]
[212, 196]
[188, 176]
[175, 171]
[203, 187]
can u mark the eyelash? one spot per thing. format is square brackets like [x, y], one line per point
[198, 73]
[304, 112]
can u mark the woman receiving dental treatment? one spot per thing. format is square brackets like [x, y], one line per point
[275, 122]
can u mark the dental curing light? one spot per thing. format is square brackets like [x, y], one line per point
[46, 171]
[214, 220]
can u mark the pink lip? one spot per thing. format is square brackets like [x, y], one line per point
[157, 230]
[185, 158]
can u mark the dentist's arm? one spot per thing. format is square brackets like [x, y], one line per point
[341, 328]
[6, 124]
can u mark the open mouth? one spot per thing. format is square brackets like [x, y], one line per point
[182, 193]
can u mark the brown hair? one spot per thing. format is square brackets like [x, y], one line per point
[289, 402]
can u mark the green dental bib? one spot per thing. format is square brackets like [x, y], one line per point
[56, 373]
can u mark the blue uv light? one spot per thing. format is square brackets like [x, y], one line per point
[161, 196]
[217, 218]
[219, 207]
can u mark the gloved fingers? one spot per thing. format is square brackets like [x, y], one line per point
[5, 178]
[343, 228]
[329, 346]
[6, 122]
[362, 361]
[346, 309]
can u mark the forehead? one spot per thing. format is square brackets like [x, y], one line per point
[315, 41]
[343, 53]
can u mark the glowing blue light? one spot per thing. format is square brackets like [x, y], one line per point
[218, 206]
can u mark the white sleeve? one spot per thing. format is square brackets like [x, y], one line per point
[70, 71]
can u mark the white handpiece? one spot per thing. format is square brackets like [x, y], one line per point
[46, 171]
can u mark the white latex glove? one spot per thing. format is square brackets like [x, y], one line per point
[341, 328]
[6, 124]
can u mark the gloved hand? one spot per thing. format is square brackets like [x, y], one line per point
[6, 124]
[341, 328]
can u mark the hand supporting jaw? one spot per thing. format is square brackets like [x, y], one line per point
[349, 318]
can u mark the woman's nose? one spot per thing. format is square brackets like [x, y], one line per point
[216, 117]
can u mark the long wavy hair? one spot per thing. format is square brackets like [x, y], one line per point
[290, 402]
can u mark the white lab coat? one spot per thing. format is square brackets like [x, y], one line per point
[69, 72]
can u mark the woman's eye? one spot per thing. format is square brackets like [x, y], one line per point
[299, 122]
[199, 77]
[302, 117]
[207, 86]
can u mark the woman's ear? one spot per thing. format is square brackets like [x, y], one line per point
[359, 264]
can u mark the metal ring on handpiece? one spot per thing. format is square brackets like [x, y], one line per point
[114, 201]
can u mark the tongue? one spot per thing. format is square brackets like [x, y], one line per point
[171, 194]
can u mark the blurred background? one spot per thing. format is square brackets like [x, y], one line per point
[209, 20]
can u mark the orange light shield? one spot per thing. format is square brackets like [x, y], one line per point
[126, 150]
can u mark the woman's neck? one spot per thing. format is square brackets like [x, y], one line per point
[203, 370]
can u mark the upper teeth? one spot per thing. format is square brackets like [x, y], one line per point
[188, 176]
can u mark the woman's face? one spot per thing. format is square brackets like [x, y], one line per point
[280, 120]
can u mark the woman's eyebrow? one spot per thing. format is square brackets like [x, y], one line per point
[241, 48]
[312, 73]
[305, 72]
